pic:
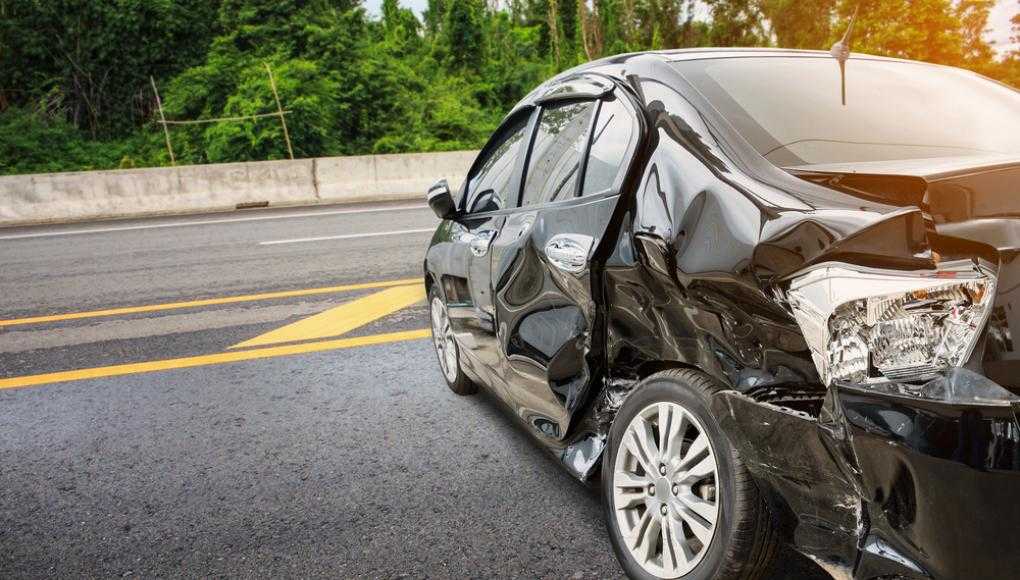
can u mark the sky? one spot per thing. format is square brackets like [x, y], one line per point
[998, 21]
[417, 5]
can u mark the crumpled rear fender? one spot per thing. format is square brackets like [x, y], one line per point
[880, 485]
[696, 282]
[864, 483]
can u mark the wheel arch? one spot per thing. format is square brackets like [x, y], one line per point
[616, 392]
[607, 402]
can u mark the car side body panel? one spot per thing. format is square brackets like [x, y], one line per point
[691, 274]
[546, 310]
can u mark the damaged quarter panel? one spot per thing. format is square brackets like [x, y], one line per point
[941, 473]
[694, 292]
[699, 286]
[693, 258]
[939, 480]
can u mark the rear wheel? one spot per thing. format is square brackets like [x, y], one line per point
[679, 503]
[446, 347]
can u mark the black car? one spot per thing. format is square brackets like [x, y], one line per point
[756, 313]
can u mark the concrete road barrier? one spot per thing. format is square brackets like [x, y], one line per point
[378, 177]
[63, 197]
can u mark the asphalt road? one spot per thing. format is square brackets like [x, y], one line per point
[167, 409]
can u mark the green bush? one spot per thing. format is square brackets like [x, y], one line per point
[30, 142]
[75, 91]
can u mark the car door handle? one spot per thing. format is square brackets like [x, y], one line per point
[479, 241]
[569, 252]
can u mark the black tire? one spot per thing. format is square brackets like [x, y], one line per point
[460, 383]
[744, 545]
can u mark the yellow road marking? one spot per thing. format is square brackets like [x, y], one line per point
[210, 359]
[206, 302]
[343, 318]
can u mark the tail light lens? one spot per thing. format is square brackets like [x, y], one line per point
[866, 325]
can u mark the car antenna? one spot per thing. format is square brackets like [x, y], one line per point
[841, 52]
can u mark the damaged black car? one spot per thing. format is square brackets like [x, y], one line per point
[758, 302]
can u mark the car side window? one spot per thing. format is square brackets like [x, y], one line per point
[557, 152]
[488, 187]
[613, 140]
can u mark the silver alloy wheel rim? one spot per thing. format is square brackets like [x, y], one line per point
[665, 490]
[442, 337]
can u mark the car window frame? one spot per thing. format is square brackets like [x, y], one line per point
[560, 101]
[628, 157]
[605, 88]
[558, 97]
[528, 113]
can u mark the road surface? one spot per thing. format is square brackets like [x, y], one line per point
[175, 401]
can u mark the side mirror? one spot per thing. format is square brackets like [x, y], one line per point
[441, 200]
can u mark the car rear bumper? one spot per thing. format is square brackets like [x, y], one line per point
[883, 484]
[940, 483]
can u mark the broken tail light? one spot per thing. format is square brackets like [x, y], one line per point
[867, 325]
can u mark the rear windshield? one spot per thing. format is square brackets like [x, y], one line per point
[789, 109]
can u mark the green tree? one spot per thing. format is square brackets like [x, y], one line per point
[798, 24]
[737, 23]
[461, 41]
[928, 30]
[74, 74]
[317, 52]
[90, 62]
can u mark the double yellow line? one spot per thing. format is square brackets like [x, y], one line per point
[207, 302]
[209, 359]
[398, 294]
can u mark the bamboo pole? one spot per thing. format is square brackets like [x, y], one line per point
[226, 119]
[554, 29]
[279, 108]
[162, 120]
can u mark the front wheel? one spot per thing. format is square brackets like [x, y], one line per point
[678, 501]
[447, 349]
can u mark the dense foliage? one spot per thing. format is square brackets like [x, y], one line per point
[75, 90]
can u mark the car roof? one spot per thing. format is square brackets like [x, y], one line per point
[676, 54]
[611, 65]
[689, 54]
[683, 54]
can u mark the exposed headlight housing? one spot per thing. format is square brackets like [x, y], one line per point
[866, 325]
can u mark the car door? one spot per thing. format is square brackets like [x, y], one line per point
[489, 191]
[543, 277]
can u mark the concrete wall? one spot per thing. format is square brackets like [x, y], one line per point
[375, 177]
[60, 197]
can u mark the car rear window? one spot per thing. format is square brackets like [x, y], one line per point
[614, 138]
[556, 155]
[790, 109]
